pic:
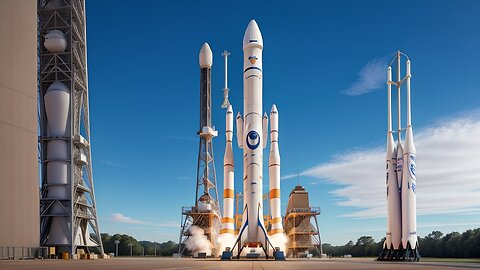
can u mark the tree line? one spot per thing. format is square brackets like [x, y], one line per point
[138, 248]
[435, 244]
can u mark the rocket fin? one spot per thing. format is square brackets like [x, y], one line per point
[241, 236]
[262, 231]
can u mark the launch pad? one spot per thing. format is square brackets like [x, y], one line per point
[171, 263]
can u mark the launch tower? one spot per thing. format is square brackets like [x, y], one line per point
[206, 212]
[302, 233]
[68, 215]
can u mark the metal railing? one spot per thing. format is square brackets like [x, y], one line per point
[23, 253]
[300, 244]
[310, 210]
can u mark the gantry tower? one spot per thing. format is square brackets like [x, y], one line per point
[301, 224]
[68, 213]
[206, 212]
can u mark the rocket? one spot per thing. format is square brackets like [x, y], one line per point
[228, 178]
[394, 220]
[409, 181]
[274, 175]
[401, 238]
[252, 136]
[253, 232]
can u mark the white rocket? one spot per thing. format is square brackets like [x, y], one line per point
[394, 220]
[401, 238]
[274, 175]
[252, 133]
[409, 181]
[228, 179]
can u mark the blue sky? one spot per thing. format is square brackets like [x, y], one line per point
[324, 67]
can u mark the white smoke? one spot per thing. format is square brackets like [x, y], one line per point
[225, 240]
[280, 240]
[198, 242]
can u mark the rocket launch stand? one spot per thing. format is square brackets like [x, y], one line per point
[68, 212]
[302, 234]
[206, 212]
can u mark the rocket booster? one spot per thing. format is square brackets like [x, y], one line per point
[394, 219]
[274, 174]
[409, 181]
[228, 178]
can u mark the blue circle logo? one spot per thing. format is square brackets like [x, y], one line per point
[413, 167]
[253, 140]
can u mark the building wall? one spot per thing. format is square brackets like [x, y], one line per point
[19, 184]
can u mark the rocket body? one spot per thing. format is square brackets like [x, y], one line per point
[252, 137]
[228, 178]
[274, 174]
[252, 134]
[409, 196]
[394, 215]
[409, 180]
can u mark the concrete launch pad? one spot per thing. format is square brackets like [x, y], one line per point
[178, 264]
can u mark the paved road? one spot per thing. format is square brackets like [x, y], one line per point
[180, 264]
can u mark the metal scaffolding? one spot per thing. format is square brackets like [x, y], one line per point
[69, 68]
[206, 212]
[301, 224]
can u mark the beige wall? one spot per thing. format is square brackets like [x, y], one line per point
[19, 187]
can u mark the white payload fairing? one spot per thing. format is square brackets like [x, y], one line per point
[252, 134]
[401, 238]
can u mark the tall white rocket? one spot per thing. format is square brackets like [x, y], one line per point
[252, 135]
[409, 180]
[401, 238]
[394, 220]
[228, 179]
[251, 140]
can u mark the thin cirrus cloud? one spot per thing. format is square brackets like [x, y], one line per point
[448, 175]
[371, 77]
[121, 218]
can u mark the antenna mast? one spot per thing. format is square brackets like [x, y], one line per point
[225, 102]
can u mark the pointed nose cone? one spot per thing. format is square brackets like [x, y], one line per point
[252, 37]
[274, 108]
[205, 56]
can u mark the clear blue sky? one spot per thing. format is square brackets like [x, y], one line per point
[144, 103]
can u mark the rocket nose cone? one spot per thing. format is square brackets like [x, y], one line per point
[253, 36]
[274, 108]
[205, 56]
[229, 109]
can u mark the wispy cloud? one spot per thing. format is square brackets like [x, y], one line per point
[371, 77]
[118, 217]
[121, 218]
[110, 163]
[448, 176]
